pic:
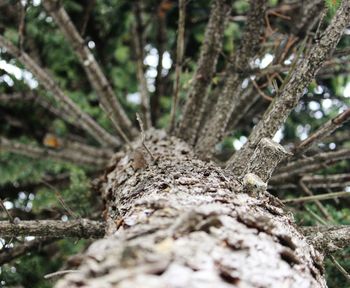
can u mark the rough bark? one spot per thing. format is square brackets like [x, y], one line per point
[180, 222]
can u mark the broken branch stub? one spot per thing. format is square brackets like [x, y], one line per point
[267, 155]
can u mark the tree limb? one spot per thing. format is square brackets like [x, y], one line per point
[82, 228]
[85, 120]
[229, 98]
[322, 132]
[305, 71]
[310, 164]
[9, 254]
[206, 67]
[319, 197]
[329, 239]
[66, 155]
[179, 58]
[142, 82]
[98, 80]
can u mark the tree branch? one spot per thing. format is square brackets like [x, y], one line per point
[66, 155]
[179, 58]
[138, 46]
[230, 97]
[318, 203]
[206, 67]
[98, 80]
[82, 228]
[322, 132]
[319, 197]
[302, 75]
[84, 120]
[318, 181]
[9, 254]
[310, 164]
[329, 239]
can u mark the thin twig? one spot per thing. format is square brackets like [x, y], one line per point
[325, 196]
[319, 205]
[21, 26]
[179, 59]
[340, 268]
[62, 272]
[322, 132]
[318, 218]
[261, 93]
[143, 135]
[138, 46]
[61, 200]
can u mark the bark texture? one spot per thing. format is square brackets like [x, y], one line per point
[179, 222]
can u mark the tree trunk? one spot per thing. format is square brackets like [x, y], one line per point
[176, 221]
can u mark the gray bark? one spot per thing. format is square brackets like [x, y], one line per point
[181, 222]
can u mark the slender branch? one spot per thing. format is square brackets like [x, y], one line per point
[229, 98]
[307, 16]
[52, 141]
[162, 9]
[60, 273]
[66, 155]
[87, 12]
[35, 98]
[82, 228]
[9, 254]
[11, 191]
[320, 197]
[329, 239]
[305, 71]
[340, 268]
[138, 45]
[318, 203]
[323, 132]
[206, 67]
[310, 164]
[143, 135]
[98, 80]
[317, 182]
[179, 58]
[85, 121]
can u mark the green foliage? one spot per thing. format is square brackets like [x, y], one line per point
[332, 6]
